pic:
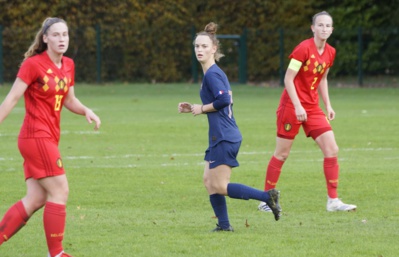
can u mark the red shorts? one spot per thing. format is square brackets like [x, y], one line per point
[288, 125]
[41, 157]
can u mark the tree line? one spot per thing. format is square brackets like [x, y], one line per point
[141, 41]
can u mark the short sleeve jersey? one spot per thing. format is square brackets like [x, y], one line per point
[222, 125]
[312, 70]
[47, 88]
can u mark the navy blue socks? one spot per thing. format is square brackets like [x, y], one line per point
[240, 191]
[219, 206]
[237, 191]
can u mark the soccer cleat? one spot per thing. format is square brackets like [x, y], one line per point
[273, 203]
[220, 229]
[335, 204]
[264, 207]
[61, 254]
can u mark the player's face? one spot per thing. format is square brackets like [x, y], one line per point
[57, 38]
[323, 27]
[204, 49]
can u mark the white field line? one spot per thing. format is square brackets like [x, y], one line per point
[63, 132]
[202, 154]
[201, 163]
[174, 163]
[84, 132]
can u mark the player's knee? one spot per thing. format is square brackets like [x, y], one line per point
[336, 150]
[34, 203]
[333, 151]
[59, 196]
[282, 156]
[209, 185]
[219, 189]
[64, 194]
[38, 205]
[215, 187]
[206, 182]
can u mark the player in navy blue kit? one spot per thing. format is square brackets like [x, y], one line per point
[224, 136]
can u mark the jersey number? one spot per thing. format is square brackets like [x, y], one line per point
[58, 99]
[314, 82]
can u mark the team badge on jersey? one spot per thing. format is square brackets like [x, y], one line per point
[61, 84]
[319, 68]
[59, 163]
[287, 127]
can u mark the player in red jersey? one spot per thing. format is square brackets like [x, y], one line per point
[306, 75]
[46, 78]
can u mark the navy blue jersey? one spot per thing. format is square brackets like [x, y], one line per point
[216, 89]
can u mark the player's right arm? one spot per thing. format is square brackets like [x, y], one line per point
[17, 90]
[290, 75]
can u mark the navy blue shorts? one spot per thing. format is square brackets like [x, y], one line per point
[223, 153]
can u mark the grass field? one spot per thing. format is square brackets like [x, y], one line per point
[136, 185]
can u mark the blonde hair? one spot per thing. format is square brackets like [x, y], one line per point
[210, 31]
[319, 14]
[38, 46]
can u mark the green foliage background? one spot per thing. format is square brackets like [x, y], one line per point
[151, 40]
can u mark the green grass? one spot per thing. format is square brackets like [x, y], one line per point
[136, 185]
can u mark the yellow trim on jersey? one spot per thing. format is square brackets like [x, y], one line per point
[294, 65]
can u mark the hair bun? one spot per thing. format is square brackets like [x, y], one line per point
[211, 28]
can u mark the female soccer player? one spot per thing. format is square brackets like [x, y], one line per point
[46, 78]
[224, 135]
[299, 106]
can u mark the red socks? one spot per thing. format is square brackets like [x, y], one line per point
[273, 173]
[14, 219]
[331, 172]
[54, 224]
[54, 217]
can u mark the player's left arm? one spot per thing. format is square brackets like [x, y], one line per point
[73, 104]
[323, 89]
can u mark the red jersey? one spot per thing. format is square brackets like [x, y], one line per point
[47, 88]
[309, 75]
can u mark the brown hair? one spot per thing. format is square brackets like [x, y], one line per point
[319, 14]
[38, 46]
[210, 31]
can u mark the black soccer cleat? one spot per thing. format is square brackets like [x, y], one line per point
[273, 203]
[220, 229]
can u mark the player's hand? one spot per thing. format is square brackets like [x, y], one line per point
[301, 114]
[91, 116]
[196, 109]
[184, 107]
[330, 113]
